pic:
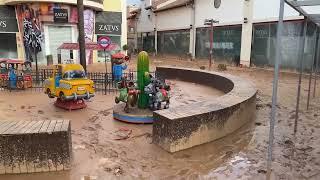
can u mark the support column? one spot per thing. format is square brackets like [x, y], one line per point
[275, 87]
[246, 36]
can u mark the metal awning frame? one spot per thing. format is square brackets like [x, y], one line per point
[297, 5]
[315, 18]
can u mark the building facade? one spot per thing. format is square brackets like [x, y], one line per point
[37, 28]
[245, 34]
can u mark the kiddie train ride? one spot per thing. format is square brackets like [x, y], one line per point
[70, 85]
[141, 98]
[15, 74]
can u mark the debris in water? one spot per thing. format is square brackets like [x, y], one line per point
[89, 178]
[93, 119]
[118, 171]
[76, 147]
[262, 171]
[122, 134]
[258, 123]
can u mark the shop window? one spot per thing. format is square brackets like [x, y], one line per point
[57, 36]
[8, 45]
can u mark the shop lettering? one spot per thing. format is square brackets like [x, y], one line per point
[61, 14]
[108, 28]
[3, 24]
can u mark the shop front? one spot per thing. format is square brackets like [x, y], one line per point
[8, 32]
[45, 26]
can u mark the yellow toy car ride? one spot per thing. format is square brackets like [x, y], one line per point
[69, 82]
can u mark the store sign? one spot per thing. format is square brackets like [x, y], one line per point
[8, 21]
[60, 15]
[108, 23]
[105, 28]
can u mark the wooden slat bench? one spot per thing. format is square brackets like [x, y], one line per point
[35, 146]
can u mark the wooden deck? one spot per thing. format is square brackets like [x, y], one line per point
[35, 146]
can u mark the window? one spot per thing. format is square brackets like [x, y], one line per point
[76, 74]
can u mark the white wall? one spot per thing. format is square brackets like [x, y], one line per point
[264, 10]
[145, 23]
[179, 18]
[229, 12]
[124, 23]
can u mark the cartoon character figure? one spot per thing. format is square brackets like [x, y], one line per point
[12, 76]
[158, 93]
[128, 94]
[118, 69]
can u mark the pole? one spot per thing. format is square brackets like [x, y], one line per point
[211, 45]
[301, 58]
[316, 65]
[275, 87]
[311, 70]
[105, 60]
[82, 47]
[37, 68]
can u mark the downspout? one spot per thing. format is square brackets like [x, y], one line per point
[155, 34]
[194, 31]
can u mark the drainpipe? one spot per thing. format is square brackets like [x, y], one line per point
[155, 34]
[193, 31]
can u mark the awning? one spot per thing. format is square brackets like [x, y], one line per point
[11, 61]
[89, 46]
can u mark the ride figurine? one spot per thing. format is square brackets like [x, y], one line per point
[128, 93]
[158, 93]
[13, 74]
[117, 66]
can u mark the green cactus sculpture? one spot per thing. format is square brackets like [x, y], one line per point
[143, 78]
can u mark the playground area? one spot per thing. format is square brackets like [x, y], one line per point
[106, 149]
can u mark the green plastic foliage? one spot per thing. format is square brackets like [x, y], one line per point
[143, 78]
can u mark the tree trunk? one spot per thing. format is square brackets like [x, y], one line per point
[82, 48]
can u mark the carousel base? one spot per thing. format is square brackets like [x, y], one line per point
[136, 116]
[70, 105]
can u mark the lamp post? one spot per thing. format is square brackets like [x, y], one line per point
[209, 22]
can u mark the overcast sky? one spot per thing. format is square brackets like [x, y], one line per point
[133, 2]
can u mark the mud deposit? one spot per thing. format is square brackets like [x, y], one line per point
[241, 155]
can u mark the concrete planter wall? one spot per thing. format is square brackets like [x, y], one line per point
[190, 125]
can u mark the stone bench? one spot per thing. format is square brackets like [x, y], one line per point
[35, 146]
[182, 127]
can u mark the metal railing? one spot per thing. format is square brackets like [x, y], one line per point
[104, 83]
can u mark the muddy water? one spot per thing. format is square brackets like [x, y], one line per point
[97, 153]
[185, 93]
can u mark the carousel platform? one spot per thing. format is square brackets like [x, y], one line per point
[71, 104]
[136, 116]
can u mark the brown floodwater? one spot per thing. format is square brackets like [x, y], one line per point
[98, 154]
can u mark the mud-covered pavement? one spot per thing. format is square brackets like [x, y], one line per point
[109, 149]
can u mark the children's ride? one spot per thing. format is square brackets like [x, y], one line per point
[128, 93]
[15, 74]
[148, 93]
[158, 93]
[118, 65]
[70, 86]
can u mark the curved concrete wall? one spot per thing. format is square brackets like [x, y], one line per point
[189, 125]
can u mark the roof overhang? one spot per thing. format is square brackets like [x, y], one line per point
[97, 6]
